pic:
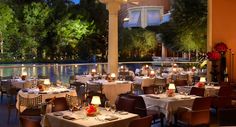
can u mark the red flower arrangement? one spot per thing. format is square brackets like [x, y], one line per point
[170, 92]
[213, 55]
[91, 110]
[221, 47]
[200, 84]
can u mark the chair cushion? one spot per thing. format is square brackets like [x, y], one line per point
[31, 112]
[126, 104]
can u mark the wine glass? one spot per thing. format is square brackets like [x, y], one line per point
[160, 89]
[155, 90]
[113, 109]
[107, 105]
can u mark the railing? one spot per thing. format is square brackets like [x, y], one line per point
[64, 71]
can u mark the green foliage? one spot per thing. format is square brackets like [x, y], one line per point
[137, 43]
[190, 17]
[70, 32]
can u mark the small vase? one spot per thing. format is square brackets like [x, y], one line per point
[214, 72]
[222, 66]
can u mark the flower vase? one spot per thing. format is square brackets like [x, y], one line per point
[222, 66]
[214, 72]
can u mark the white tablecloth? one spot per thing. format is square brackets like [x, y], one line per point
[113, 89]
[168, 105]
[82, 120]
[209, 90]
[144, 81]
[83, 78]
[51, 94]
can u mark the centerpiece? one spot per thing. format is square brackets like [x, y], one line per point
[214, 56]
[171, 90]
[92, 110]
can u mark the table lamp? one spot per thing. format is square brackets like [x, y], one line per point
[47, 82]
[152, 74]
[113, 76]
[93, 72]
[23, 75]
[171, 90]
[203, 79]
[96, 101]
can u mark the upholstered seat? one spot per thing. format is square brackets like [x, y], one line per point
[29, 121]
[58, 104]
[141, 122]
[180, 82]
[198, 114]
[197, 91]
[142, 110]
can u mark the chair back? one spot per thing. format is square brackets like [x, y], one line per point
[183, 77]
[59, 104]
[197, 91]
[125, 103]
[29, 122]
[203, 103]
[30, 102]
[148, 90]
[140, 106]
[141, 122]
[179, 82]
[160, 81]
[225, 91]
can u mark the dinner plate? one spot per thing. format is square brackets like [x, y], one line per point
[123, 113]
[57, 113]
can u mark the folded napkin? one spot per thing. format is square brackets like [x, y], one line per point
[68, 117]
[111, 118]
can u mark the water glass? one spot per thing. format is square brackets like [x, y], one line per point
[160, 89]
[113, 108]
[155, 90]
[107, 105]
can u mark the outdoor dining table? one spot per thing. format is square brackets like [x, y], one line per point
[168, 105]
[52, 92]
[112, 89]
[80, 119]
[144, 81]
[209, 90]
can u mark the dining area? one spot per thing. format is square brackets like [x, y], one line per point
[109, 100]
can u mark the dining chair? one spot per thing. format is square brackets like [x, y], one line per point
[182, 77]
[58, 104]
[223, 98]
[26, 121]
[197, 115]
[11, 101]
[124, 103]
[141, 122]
[227, 116]
[5, 86]
[160, 81]
[142, 110]
[197, 91]
[150, 89]
[179, 82]
[33, 106]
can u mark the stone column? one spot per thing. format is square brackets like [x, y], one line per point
[209, 38]
[163, 51]
[113, 7]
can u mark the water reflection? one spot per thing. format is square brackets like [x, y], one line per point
[54, 71]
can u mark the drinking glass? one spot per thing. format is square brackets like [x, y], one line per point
[113, 108]
[155, 90]
[107, 105]
[160, 89]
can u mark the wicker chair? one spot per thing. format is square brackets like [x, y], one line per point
[33, 106]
